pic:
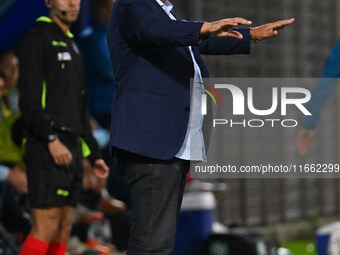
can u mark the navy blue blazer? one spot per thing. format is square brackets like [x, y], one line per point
[152, 68]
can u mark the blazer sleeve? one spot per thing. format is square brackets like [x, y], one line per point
[138, 23]
[213, 45]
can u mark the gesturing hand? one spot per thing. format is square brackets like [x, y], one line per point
[59, 152]
[223, 28]
[269, 30]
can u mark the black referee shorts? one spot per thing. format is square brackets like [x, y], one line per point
[50, 185]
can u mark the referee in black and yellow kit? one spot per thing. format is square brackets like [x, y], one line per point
[54, 109]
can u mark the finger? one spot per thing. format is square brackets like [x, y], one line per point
[105, 174]
[103, 166]
[103, 169]
[59, 160]
[241, 21]
[63, 160]
[101, 173]
[271, 33]
[289, 21]
[69, 158]
[278, 27]
[283, 23]
[228, 24]
[232, 33]
[56, 160]
[106, 168]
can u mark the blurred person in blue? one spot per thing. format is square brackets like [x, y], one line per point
[98, 68]
[320, 94]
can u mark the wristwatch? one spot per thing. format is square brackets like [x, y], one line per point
[52, 137]
[251, 36]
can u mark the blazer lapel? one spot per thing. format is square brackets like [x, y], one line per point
[154, 2]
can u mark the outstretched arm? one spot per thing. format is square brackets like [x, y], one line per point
[138, 23]
[239, 43]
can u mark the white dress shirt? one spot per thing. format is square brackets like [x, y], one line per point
[193, 147]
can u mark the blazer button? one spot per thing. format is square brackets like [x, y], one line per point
[186, 109]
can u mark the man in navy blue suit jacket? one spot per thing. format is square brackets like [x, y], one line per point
[154, 55]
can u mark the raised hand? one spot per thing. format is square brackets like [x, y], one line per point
[269, 30]
[223, 28]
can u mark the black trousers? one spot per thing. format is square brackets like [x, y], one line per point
[156, 189]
